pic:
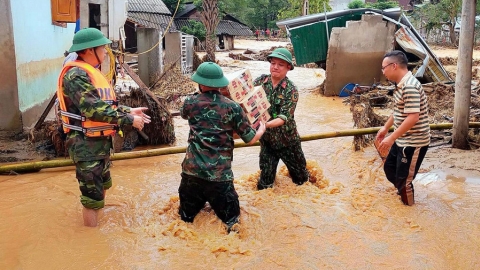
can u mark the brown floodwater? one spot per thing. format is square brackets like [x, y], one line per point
[350, 218]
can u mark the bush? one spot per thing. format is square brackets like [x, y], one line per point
[196, 29]
[356, 4]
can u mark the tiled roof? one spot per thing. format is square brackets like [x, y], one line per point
[187, 9]
[224, 27]
[233, 28]
[151, 20]
[148, 6]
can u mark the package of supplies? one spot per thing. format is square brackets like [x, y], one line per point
[255, 98]
[240, 84]
[256, 114]
[264, 117]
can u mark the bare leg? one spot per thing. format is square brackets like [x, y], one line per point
[90, 217]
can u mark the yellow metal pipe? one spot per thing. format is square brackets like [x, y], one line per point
[38, 165]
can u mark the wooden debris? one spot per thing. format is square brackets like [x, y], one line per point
[242, 57]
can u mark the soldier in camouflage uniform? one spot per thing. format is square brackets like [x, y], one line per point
[281, 139]
[80, 96]
[206, 170]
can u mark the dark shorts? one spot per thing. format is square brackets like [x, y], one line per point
[93, 178]
[194, 192]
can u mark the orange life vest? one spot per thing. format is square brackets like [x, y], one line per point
[105, 91]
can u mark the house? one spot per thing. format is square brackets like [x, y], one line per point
[33, 46]
[351, 43]
[152, 14]
[227, 28]
[151, 33]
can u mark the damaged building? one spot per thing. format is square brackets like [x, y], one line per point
[350, 44]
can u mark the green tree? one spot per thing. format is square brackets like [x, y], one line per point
[196, 29]
[264, 13]
[442, 13]
[294, 8]
[254, 13]
[382, 4]
[172, 5]
[210, 17]
[356, 4]
[236, 8]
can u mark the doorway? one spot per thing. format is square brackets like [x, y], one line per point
[94, 16]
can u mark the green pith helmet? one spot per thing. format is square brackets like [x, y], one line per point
[210, 74]
[282, 53]
[88, 38]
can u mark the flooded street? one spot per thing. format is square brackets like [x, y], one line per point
[350, 219]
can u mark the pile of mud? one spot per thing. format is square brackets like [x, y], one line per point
[452, 61]
[441, 100]
[450, 65]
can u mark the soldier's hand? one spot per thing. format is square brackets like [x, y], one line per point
[138, 122]
[139, 111]
[261, 127]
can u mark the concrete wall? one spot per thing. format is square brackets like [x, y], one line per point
[11, 116]
[149, 63]
[39, 47]
[84, 14]
[355, 53]
[172, 48]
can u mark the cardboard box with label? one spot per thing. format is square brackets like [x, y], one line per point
[240, 84]
[264, 117]
[255, 99]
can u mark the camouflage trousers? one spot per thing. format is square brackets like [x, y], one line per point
[293, 158]
[194, 192]
[93, 178]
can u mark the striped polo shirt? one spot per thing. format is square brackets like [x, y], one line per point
[409, 97]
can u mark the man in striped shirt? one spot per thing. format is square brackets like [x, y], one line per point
[411, 136]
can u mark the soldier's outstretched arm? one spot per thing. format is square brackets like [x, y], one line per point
[258, 134]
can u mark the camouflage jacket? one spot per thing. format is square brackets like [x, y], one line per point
[81, 97]
[212, 119]
[283, 100]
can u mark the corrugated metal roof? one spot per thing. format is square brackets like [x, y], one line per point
[148, 6]
[224, 27]
[310, 42]
[151, 20]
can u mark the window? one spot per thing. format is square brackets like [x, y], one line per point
[64, 11]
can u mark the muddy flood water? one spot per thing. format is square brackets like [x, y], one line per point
[350, 219]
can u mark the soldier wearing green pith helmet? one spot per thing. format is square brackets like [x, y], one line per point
[207, 168]
[281, 139]
[90, 118]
